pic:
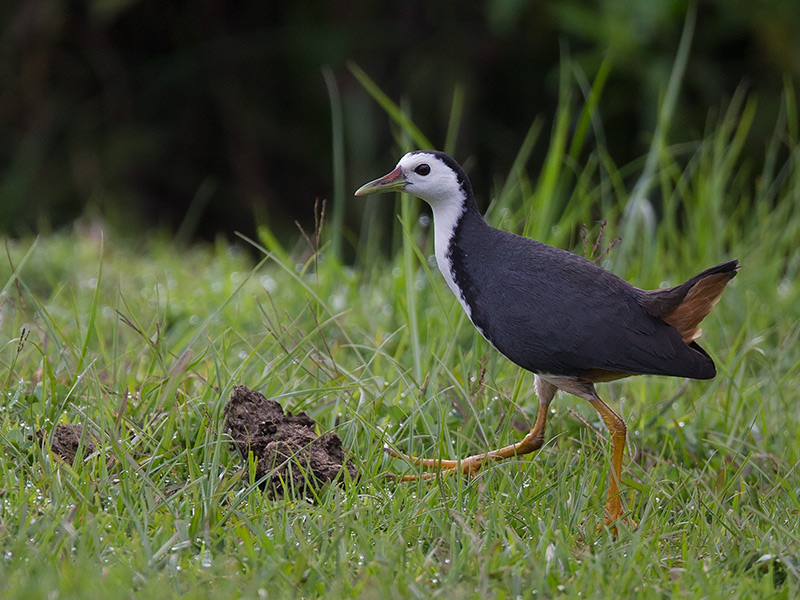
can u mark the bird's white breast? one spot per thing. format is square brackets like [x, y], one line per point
[445, 220]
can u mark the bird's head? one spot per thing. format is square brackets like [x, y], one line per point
[427, 174]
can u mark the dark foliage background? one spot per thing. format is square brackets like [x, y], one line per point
[146, 111]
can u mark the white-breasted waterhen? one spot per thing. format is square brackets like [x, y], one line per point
[554, 313]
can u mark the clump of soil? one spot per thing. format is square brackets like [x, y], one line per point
[287, 449]
[66, 439]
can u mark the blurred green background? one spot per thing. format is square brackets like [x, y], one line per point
[209, 117]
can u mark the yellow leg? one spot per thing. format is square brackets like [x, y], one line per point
[616, 427]
[470, 465]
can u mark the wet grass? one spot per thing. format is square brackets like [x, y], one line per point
[142, 345]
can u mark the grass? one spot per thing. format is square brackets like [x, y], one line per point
[143, 344]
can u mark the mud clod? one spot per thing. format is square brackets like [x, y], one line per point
[66, 439]
[288, 451]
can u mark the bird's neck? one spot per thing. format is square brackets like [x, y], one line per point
[447, 217]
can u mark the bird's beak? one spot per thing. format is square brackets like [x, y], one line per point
[393, 182]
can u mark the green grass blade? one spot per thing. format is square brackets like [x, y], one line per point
[544, 204]
[338, 166]
[17, 269]
[638, 224]
[90, 325]
[588, 113]
[390, 108]
[453, 124]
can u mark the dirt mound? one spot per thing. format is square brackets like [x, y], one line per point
[288, 451]
[66, 439]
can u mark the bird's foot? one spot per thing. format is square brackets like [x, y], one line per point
[433, 466]
[611, 521]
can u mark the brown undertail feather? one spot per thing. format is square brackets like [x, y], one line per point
[684, 306]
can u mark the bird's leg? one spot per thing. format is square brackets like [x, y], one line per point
[618, 430]
[470, 465]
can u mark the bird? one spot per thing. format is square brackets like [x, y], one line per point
[552, 312]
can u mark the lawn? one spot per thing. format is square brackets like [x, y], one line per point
[142, 342]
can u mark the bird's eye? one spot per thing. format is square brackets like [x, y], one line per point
[422, 169]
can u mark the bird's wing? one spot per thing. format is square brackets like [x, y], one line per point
[551, 311]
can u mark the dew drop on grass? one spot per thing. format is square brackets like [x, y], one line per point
[268, 283]
[181, 545]
[337, 302]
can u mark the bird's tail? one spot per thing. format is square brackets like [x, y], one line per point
[685, 305]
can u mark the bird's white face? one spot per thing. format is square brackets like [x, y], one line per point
[437, 179]
[424, 175]
[429, 178]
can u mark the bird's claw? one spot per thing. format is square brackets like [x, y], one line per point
[433, 467]
[611, 524]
